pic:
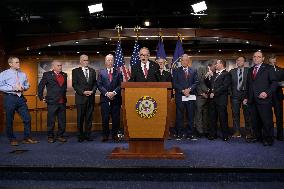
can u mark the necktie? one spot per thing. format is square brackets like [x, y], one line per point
[110, 75]
[240, 80]
[18, 83]
[185, 72]
[254, 72]
[87, 74]
[145, 71]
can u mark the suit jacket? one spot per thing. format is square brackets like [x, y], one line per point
[220, 87]
[80, 84]
[279, 73]
[104, 85]
[137, 74]
[202, 86]
[265, 81]
[234, 85]
[54, 91]
[180, 82]
[165, 77]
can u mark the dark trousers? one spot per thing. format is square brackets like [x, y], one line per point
[112, 109]
[201, 118]
[12, 104]
[190, 108]
[85, 118]
[236, 104]
[53, 111]
[278, 112]
[262, 121]
[218, 112]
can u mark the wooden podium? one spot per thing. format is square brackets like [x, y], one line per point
[146, 125]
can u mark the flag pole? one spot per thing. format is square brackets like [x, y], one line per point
[137, 31]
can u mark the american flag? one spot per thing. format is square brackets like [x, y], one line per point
[135, 54]
[177, 54]
[119, 62]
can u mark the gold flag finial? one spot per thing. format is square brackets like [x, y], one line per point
[179, 36]
[137, 31]
[118, 28]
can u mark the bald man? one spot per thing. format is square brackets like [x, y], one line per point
[55, 82]
[261, 84]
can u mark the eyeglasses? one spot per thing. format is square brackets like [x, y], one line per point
[144, 54]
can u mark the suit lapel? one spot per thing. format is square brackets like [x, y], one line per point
[260, 70]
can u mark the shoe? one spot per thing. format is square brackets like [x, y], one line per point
[89, 139]
[191, 137]
[30, 141]
[80, 139]
[237, 135]
[104, 139]
[178, 137]
[280, 138]
[115, 138]
[50, 140]
[225, 138]
[14, 142]
[210, 137]
[61, 139]
[265, 143]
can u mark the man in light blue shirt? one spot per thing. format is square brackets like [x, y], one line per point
[13, 82]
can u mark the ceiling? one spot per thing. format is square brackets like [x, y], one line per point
[33, 18]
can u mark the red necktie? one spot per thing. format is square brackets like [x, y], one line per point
[145, 71]
[254, 72]
[109, 75]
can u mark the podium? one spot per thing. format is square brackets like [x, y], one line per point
[146, 124]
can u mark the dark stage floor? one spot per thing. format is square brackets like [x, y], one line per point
[235, 153]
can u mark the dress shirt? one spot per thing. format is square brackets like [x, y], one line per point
[8, 80]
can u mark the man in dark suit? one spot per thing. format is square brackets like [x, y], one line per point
[277, 97]
[220, 83]
[146, 70]
[163, 74]
[237, 89]
[55, 82]
[201, 118]
[85, 84]
[261, 84]
[109, 81]
[185, 82]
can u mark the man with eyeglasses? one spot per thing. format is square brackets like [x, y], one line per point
[146, 70]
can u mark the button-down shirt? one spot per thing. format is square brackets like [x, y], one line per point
[8, 80]
[147, 65]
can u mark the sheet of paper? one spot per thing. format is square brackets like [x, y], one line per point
[187, 98]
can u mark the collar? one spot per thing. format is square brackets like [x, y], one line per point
[110, 69]
[219, 72]
[85, 68]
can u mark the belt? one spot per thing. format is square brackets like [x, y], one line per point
[11, 94]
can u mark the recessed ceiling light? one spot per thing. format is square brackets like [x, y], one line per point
[270, 45]
[147, 38]
[49, 45]
[95, 8]
[78, 52]
[240, 50]
[76, 42]
[147, 23]
[98, 52]
[198, 7]
[28, 48]
[219, 50]
[39, 53]
[247, 42]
